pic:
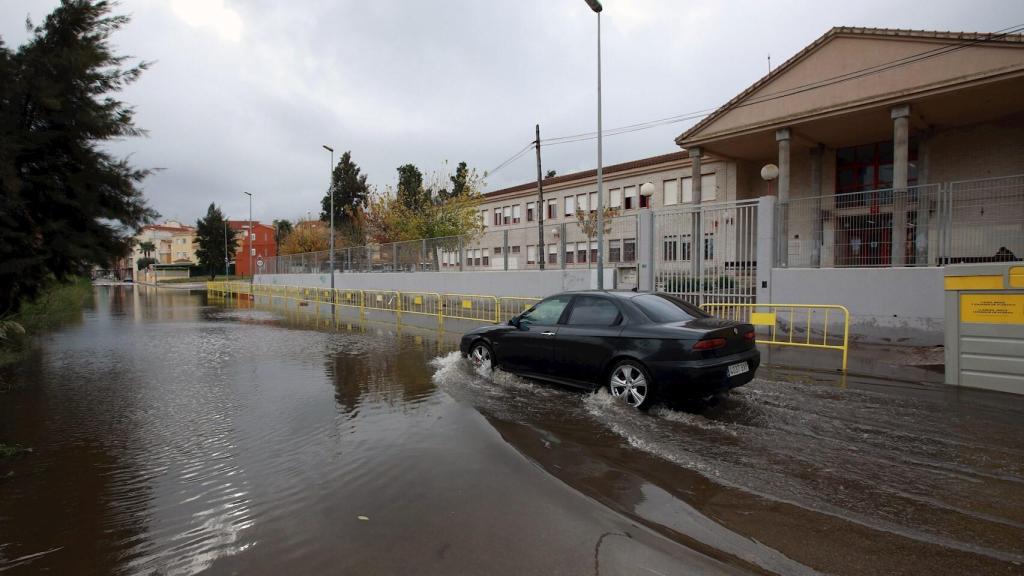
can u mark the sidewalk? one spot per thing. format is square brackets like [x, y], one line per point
[920, 365]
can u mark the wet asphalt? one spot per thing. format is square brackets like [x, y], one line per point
[176, 433]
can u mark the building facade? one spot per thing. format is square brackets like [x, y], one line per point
[260, 244]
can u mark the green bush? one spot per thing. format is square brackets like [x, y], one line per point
[57, 305]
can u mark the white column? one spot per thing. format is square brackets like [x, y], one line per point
[782, 136]
[900, 169]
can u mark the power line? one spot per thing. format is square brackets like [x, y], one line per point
[511, 159]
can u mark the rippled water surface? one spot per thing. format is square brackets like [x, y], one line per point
[176, 435]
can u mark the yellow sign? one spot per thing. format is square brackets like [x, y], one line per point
[992, 308]
[467, 304]
[987, 282]
[762, 318]
[417, 300]
[1017, 277]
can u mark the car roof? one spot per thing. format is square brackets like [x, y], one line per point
[625, 294]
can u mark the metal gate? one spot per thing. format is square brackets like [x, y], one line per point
[707, 253]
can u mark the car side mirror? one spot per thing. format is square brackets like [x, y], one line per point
[514, 321]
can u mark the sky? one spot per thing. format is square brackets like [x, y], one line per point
[243, 94]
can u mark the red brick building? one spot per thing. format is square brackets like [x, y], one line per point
[250, 249]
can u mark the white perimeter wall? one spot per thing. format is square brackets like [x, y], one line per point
[524, 283]
[896, 305]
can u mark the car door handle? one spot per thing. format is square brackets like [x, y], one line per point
[549, 333]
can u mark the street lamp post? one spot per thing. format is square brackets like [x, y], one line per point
[330, 191]
[225, 248]
[595, 5]
[250, 235]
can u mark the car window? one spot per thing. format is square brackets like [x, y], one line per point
[546, 312]
[591, 311]
[661, 308]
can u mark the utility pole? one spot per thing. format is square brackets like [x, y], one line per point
[541, 252]
[252, 236]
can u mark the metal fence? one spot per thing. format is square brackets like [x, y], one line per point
[721, 266]
[931, 225]
[565, 245]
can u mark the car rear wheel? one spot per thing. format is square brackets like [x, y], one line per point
[480, 355]
[630, 383]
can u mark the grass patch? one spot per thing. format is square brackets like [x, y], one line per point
[8, 451]
[58, 305]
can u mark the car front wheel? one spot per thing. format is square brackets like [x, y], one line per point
[630, 382]
[480, 355]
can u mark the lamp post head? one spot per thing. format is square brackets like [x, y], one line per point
[247, 193]
[647, 189]
[595, 5]
[326, 147]
[554, 231]
[769, 172]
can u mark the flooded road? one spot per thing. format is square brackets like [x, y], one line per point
[173, 434]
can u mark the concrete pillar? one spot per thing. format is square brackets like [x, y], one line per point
[926, 195]
[900, 169]
[504, 248]
[697, 236]
[817, 156]
[782, 136]
[765, 247]
[645, 245]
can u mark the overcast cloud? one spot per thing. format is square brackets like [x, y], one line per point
[243, 93]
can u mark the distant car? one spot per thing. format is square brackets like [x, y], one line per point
[640, 346]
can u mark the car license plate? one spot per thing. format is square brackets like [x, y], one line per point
[737, 369]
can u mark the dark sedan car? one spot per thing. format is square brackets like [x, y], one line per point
[641, 346]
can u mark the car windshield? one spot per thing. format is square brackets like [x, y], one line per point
[663, 309]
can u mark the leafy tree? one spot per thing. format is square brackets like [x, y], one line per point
[351, 193]
[147, 248]
[66, 203]
[550, 174]
[411, 192]
[144, 262]
[587, 221]
[308, 236]
[459, 185]
[210, 238]
[282, 228]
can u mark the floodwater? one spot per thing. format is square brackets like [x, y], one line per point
[177, 434]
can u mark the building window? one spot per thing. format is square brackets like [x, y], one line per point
[486, 257]
[616, 198]
[645, 201]
[552, 209]
[593, 201]
[709, 248]
[581, 202]
[630, 194]
[515, 249]
[615, 250]
[670, 249]
[497, 250]
[517, 213]
[869, 167]
[497, 216]
[530, 208]
[531, 254]
[570, 255]
[708, 188]
[671, 192]
[552, 254]
[581, 252]
[629, 250]
[477, 257]
[507, 214]
[593, 251]
[570, 205]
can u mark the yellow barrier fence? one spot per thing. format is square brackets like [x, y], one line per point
[822, 326]
[480, 307]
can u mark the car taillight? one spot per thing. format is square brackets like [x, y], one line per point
[709, 344]
[749, 335]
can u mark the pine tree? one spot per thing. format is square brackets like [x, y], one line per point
[351, 194]
[210, 239]
[65, 202]
[411, 192]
